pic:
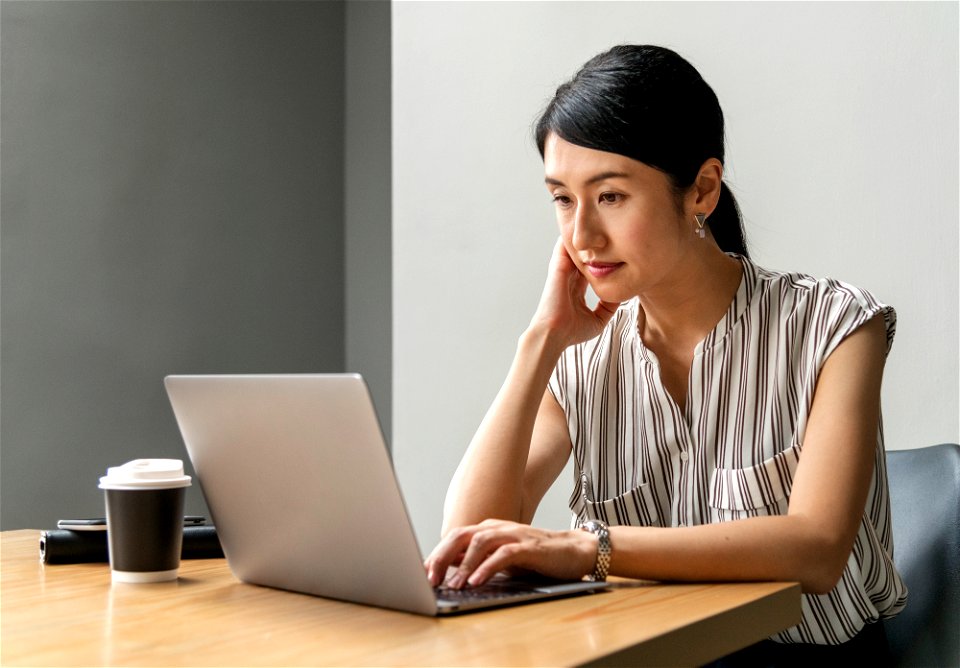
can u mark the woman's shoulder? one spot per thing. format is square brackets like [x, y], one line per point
[580, 361]
[796, 285]
[826, 303]
[619, 332]
[622, 326]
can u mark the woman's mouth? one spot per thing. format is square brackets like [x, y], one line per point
[601, 269]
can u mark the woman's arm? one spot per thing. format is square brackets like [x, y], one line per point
[522, 443]
[810, 544]
[527, 469]
[519, 449]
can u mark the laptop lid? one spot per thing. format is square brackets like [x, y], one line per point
[295, 471]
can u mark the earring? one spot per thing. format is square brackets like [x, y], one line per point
[700, 218]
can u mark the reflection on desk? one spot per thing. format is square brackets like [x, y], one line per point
[71, 615]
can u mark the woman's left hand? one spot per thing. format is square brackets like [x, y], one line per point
[481, 551]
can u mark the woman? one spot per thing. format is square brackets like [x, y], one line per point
[724, 419]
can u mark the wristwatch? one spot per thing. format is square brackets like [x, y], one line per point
[604, 549]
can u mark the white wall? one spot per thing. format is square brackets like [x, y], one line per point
[842, 149]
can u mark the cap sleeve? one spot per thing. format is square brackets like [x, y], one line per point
[841, 310]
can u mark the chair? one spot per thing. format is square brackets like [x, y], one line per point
[925, 505]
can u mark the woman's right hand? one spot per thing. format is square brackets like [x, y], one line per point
[563, 313]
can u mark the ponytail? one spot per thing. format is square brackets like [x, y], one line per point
[726, 224]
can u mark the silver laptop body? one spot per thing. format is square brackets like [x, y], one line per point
[300, 486]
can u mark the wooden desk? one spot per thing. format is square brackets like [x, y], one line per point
[71, 615]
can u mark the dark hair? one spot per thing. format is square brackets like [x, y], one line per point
[647, 103]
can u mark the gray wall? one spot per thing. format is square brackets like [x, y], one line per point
[367, 201]
[842, 151]
[172, 202]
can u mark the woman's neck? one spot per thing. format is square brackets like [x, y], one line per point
[684, 308]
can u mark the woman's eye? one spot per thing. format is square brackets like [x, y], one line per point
[610, 198]
[561, 200]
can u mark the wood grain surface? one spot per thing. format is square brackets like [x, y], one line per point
[71, 615]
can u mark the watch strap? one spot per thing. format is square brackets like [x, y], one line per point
[604, 549]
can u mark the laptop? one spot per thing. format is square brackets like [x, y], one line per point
[300, 486]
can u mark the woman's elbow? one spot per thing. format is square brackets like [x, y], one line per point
[820, 582]
[823, 569]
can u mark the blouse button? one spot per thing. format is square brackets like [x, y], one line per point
[684, 456]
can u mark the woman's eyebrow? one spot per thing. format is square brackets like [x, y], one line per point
[602, 176]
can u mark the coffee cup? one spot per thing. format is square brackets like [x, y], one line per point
[144, 500]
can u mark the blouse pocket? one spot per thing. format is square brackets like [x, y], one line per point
[763, 489]
[636, 507]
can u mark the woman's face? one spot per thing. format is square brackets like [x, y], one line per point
[618, 218]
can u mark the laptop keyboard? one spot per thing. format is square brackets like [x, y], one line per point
[486, 592]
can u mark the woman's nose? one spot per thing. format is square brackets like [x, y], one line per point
[587, 232]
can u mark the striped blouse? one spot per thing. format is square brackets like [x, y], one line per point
[733, 451]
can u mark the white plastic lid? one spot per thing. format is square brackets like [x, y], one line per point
[146, 474]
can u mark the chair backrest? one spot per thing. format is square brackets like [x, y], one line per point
[925, 505]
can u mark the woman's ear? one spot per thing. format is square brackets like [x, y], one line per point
[705, 193]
